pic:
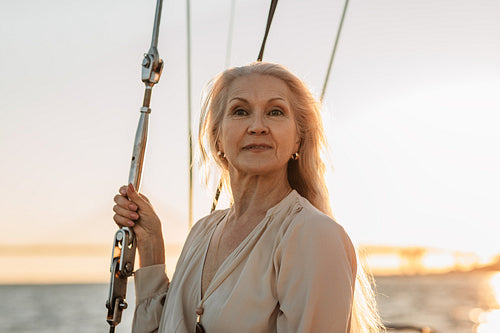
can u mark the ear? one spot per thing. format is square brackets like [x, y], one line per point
[298, 141]
[219, 146]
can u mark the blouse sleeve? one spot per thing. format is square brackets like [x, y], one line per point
[151, 285]
[316, 272]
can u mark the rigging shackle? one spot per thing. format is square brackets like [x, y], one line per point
[124, 243]
[152, 65]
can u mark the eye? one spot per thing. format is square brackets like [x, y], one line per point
[276, 112]
[239, 112]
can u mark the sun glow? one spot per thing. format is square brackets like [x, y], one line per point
[489, 321]
[387, 260]
[495, 286]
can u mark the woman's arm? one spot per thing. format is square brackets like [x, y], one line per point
[151, 286]
[317, 272]
[133, 209]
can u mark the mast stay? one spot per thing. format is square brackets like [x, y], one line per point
[334, 50]
[124, 242]
[270, 16]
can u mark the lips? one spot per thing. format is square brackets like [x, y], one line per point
[257, 146]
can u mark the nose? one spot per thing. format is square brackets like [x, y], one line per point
[257, 125]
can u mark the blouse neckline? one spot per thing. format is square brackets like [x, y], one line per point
[240, 252]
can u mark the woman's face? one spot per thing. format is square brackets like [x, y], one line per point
[258, 131]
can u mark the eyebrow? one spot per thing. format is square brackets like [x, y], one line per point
[270, 100]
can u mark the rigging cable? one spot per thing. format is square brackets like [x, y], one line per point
[190, 135]
[327, 77]
[270, 16]
[339, 30]
[124, 242]
[272, 9]
[229, 42]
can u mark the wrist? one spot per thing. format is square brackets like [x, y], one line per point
[151, 252]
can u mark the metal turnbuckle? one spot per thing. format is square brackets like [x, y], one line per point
[122, 266]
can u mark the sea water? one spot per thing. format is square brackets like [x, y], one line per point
[448, 303]
[451, 303]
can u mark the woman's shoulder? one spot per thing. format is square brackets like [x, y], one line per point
[312, 225]
[209, 221]
[311, 235]
[310, 217]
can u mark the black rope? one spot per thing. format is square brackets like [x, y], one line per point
[409, 328]
[339, 30]
[272, 9]
[274, 3]
[217, 195]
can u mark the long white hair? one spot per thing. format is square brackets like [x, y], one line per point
[306, 175]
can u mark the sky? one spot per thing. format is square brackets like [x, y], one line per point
[412, 112]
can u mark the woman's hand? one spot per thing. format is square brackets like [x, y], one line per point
[133, 209]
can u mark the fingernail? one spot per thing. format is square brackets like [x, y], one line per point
[132, 206]
[130, 223]
[123, 191]
[131, 187]
[134, 215]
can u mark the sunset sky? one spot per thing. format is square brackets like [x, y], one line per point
[412, 112]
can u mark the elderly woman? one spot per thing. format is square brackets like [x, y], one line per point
[275, 261]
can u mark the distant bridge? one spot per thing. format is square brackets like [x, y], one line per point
[412, 258]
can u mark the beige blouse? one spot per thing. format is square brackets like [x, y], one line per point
[295, 272]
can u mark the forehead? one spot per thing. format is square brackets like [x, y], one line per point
[259, 87]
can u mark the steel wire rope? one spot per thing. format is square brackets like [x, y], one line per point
[334, 50]
[190, 135]
[323, 91]
[229, 41]
[270, 16]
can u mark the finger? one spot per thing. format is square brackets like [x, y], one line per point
[125, 212]
[123, 190]
[145, 198]
[122, 221]
[124, 202]
[137, 198]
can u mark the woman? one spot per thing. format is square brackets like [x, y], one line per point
[275, 261]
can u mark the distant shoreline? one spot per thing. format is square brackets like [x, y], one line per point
[77, 250]
[89, 263]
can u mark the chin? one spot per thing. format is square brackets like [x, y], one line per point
[260, 166]
[262, 170]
